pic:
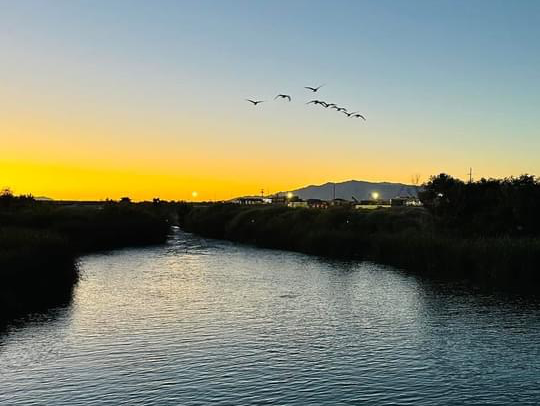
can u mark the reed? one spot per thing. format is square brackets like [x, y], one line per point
[40, 241]
[411, 238]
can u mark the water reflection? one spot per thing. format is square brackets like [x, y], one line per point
[39, 301]
[36, 337]
[205, 322]
[42, 314]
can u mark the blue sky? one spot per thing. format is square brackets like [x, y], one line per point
[445, 85]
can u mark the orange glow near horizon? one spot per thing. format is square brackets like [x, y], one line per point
[90, 159]
[71, 182]
[56, 155]
[115, 99]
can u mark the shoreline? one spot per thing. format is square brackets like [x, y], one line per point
[409, 239]
[40, 244]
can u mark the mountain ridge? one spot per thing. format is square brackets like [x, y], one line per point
[360, 189]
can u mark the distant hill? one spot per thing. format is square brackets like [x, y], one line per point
[357, 188]
[43, 198]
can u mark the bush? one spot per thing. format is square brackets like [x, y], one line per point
[488, 207]
[39, 242]
[412, 238]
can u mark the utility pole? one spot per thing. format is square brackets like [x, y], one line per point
[262, 192]
[470, 175]
[334, 194]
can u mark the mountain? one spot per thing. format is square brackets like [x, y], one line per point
[359, 189]
[43, 198]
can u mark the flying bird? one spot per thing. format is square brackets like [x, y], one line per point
[348, 114]
[359, 116]
[342, 109]
[318, 102]
[313, 89]
[255, 102]
[283, 96]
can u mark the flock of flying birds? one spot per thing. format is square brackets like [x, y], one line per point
[322, 103]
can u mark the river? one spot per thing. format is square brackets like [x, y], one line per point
[204, 322]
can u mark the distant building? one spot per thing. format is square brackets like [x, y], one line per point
[372, 204]
[414, 202]
[280, 200]
[298, 203]
[339, 202]
[402, 201]
[398, 201]
[249, 201]
[317, 204]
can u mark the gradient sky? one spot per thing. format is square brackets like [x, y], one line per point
[146, 98]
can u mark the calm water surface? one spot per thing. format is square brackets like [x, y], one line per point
[200, 322]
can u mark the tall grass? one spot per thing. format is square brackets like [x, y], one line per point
[39, 243]
[37, 270]
[410, 238]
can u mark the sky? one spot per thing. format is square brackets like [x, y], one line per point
[104, 99]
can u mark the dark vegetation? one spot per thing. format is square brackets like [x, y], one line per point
[40, 241]
[489, 207]
[486, 231]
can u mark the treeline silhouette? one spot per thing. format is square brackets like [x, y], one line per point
[488, 207]
[39, 243]
[487, 231]
[457, 235]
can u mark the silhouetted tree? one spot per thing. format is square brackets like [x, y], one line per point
[486, 207]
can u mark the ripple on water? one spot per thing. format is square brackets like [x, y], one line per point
[200, 322]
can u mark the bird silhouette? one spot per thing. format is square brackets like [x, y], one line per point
[348, 114]
[359, 116]
[320, 102]
[342, 109]
[283, 96]
[332, 105]
[255, 102]
[313, 89]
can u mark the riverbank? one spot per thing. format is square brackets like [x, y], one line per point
[160, 318]
[40, 243]
[410, 238]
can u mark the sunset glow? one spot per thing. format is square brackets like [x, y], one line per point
[109, 99]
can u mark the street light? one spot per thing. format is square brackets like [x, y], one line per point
[375, 195]
[289, 195]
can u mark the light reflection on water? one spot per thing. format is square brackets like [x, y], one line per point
[201, 322]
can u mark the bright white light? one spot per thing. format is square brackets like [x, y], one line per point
[289, 195]
[375, 195]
